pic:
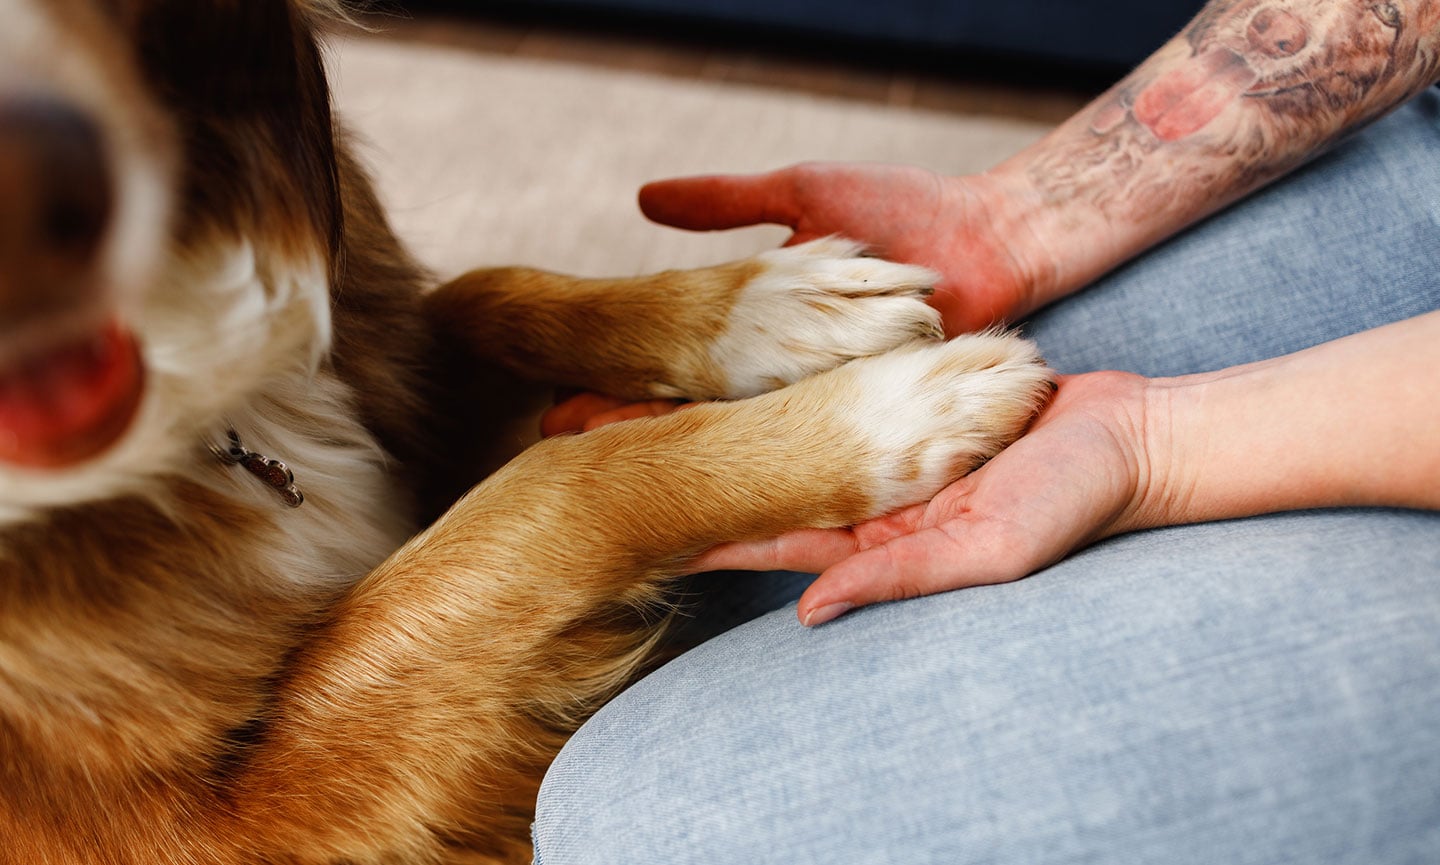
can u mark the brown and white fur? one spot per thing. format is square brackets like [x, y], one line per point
[193, 672]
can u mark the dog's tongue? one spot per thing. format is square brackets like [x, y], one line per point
[67, 404]
[1181, 102]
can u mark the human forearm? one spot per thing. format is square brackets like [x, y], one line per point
[1245, 94]
[1350, 422]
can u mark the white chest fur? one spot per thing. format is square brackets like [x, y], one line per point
[353, 515]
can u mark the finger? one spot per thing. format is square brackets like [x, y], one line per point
[923, 563]
[630, 411]
[571, 414]
[808, 550]
[719, 201]
[887, 572]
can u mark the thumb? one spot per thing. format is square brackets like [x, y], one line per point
[902, 567]
[930, 560]
[806, 550]
[720, 201]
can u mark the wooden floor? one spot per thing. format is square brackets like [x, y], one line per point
[822, 70]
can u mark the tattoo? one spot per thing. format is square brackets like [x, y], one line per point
[1251, 89]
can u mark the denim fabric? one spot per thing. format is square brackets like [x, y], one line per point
[1252, 691]
[1350, 243]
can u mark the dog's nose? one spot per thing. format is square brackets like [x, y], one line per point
[54, 182]
[56, 197]
[1277, 33]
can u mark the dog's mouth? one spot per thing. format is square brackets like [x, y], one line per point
[1185, 100]
[69, 401]
[1188, 97]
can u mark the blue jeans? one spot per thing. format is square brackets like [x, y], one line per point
[1252, 691]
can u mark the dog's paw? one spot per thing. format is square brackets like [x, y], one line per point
[930, 414]
[812, 307]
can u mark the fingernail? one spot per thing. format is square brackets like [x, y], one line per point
[827, 613]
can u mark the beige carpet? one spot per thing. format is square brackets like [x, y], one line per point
[488, 160]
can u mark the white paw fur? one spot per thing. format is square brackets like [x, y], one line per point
[815, 306]
[931, 413]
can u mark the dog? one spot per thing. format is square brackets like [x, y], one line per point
[1249, 86]
[259, 602]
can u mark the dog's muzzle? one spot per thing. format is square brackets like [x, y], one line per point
[70, 373]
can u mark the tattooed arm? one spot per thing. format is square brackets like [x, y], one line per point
[1250, 90]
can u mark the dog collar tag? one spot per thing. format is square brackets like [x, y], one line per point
[272, 473]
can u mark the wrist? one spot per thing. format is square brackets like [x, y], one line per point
[1060, 245]
[1165, 490]
[1161, 485]
[1345, 423]
[1012, 210]
[1217, 447]
[1199, 454]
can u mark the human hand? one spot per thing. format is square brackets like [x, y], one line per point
[969, 229]
[1084, 471]
[586, 411]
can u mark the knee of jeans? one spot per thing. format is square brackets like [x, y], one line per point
[564, 799]
[662, 766]
[593, 796]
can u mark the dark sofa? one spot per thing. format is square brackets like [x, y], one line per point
[1102, 34]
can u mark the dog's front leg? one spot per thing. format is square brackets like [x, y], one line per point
[729, 331]
[421, 720]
